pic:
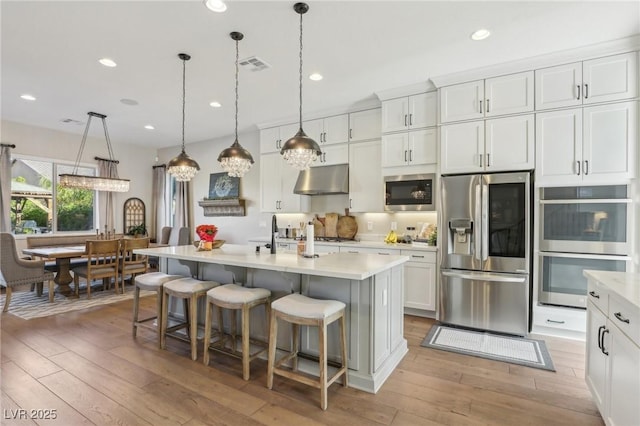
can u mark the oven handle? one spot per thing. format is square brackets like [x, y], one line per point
[584, 256]
[485, 277]
[589, 201]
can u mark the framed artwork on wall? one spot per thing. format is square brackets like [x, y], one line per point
[223, 187]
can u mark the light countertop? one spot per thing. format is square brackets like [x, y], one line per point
[364, 244]
[354, 266]
[624, 284]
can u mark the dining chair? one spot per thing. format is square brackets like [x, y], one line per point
[179, 236]
[103, 257]
[15, 271]
[130, 262]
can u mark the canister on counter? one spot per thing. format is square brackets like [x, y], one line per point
[302, 245]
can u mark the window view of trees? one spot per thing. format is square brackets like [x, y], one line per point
[33, 209]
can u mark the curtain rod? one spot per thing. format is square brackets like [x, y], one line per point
[10, 145]
[106, 159]
[160, 165]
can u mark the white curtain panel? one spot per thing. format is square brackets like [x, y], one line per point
[5, 188]
[107, 215]
[159, 205]
[183, 212]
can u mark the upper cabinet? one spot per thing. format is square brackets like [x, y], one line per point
[410, 112]
[365, 177]
[499, 144]
[507, 94]
[409, 148]
[277, 180]
[598, 80]
[333, 154]
[272, 139]
[329, 130]
[594, 145]
[364, 125]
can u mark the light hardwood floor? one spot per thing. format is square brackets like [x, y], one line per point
[87, 367]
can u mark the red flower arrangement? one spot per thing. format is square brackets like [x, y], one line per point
[207, 232]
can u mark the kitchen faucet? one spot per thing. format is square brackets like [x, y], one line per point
[274, 229]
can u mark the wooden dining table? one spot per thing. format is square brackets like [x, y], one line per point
[63, 255]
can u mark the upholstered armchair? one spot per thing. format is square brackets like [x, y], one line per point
[15, 271]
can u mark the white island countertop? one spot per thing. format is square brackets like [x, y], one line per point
[352, 266]
[624, 284]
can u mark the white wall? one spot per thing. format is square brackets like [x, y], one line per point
[39, 143]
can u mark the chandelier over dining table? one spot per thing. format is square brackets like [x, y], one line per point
[95, 183]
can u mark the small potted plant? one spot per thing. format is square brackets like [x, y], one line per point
[138, 230]
[207, 234]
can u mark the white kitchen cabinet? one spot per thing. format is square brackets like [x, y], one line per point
[365, 177]
[507, 94]
[364, 125]
[604, 79]
[594, 145]
[410, 112]
[332, 154]
[499, 144]
[329, 130]
[612, 369]
[420, 280]
[409, 148]
[368, 250]
[596, 360]
[272, 139]
[277, 180]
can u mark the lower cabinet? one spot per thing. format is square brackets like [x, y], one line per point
[612, 370]
[420, 280]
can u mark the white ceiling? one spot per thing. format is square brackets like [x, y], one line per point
[50, 49]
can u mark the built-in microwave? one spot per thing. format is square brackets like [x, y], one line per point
[409, 192]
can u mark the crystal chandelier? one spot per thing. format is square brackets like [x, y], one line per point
[300, 151]
[183, 167]
[236, 160]
[94, 183]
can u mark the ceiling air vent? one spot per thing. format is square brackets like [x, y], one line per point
[254, 63]
[71, 121]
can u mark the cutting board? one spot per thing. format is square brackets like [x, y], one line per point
[347, 226]
[318, 227]
[331, 225]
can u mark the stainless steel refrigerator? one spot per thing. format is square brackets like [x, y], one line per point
[485, 257]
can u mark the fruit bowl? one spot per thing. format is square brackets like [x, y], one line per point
[216, 244]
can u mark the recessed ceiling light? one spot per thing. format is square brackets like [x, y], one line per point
[28, 97]
[149, 127]
[130, 102]
[215, 104]
[215, 5]
[315, 76]
[481, 34]
[108, 62]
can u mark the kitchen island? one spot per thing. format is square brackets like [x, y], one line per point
[370, 285]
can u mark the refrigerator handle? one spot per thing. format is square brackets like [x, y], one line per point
[476, 229]
[485, 221]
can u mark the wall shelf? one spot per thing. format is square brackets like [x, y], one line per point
[232, 207]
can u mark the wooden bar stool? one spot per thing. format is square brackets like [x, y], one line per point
[232, 296]
[153, 281]
[302, 310]
[190, 290]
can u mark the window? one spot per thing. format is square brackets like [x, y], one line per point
[39, 206]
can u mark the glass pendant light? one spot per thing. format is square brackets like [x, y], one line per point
[236, 160]
[300, 151]
[183, 167]
[94, 183]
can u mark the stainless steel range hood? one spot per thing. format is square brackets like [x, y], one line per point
[323, 180]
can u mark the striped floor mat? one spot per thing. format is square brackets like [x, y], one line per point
[516, 350]
[27, 305]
